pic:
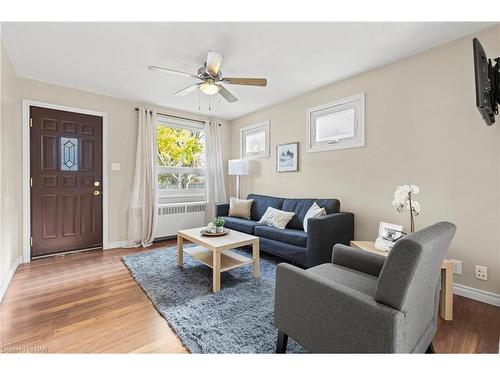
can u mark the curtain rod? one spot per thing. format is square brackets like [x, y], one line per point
[179, 117]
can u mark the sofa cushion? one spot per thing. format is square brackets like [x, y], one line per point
[301, 206]
[240, 225]
[295, 254]
[332, 206]
[313, 212]
[276, 218]
[261, 203]
[356, 280]
[291, 236]
[240, 207]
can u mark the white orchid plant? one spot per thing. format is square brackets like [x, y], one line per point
[403, 200]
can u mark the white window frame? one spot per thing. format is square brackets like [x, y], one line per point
[252, 129]
[356, 102]
[186, 193]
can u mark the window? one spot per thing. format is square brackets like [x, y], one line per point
[181, 158]
[337, 125]
[255, 141]
[69, 154]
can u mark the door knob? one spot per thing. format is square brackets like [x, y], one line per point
[97, 192]
[96, 183]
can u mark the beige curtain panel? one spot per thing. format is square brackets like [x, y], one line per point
[143, 211]
[215, 189]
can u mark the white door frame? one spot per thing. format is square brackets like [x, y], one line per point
[26, 170]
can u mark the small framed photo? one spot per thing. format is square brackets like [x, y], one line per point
[390, 232]
[287, 157]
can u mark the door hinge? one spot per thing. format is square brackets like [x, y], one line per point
[31, 181]
[31, 122]
[31, 241]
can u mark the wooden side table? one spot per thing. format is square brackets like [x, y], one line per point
[446, 297]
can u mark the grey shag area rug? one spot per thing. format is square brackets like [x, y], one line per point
[238, 319]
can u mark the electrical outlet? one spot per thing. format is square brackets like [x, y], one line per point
[457, 266]
[481, 272]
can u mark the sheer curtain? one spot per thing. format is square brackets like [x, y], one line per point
[143, 211]
[215, 189]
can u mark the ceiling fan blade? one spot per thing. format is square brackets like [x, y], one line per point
[246, 81]
[187, 90]
[165, 70]
[227, 95]
[214, 60]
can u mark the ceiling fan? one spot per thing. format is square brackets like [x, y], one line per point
[211, 78]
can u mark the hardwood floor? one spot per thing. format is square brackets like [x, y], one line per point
[89, 303]
[475, 328]
[85, 303]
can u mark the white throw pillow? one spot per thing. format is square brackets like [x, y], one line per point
[314, 211]
[276, 218]
[240, 207]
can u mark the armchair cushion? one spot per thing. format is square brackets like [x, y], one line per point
[291, 236]
[358, 259]
[356, 280]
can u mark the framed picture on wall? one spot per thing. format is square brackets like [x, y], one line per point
[287, 157]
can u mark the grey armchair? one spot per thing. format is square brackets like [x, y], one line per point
[362, 302]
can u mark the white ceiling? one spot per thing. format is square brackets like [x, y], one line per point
[111, 58]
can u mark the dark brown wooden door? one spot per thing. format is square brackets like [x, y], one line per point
[66, 172]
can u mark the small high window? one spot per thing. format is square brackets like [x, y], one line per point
[255, 141]
[337, 125]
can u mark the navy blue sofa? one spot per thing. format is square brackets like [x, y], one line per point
[292, 243]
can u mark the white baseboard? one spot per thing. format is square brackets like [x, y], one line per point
[114, 245]
[476, 294]
[6, 282]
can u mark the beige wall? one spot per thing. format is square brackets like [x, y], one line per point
[422, 127]
[122, 125]
[10, 191]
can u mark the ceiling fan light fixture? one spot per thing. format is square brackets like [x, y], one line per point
[211, 79]
[209, 88]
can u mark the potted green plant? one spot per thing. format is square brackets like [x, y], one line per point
[219, 224]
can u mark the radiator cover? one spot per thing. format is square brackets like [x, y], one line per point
[175, 216]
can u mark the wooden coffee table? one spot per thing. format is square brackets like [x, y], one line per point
[216, 253]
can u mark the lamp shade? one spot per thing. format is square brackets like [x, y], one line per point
[238, 167]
